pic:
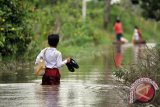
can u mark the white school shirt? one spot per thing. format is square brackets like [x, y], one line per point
[136, 35]
[52, 58]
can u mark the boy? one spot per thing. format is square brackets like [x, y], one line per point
[53, 60]
[118, 29]
[137, 36]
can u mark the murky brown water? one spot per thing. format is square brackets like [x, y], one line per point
[70, 93]
[90, 86]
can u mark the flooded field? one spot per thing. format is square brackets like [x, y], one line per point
[90, 86]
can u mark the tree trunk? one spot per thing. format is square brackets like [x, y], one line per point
[57, 25]
[106, 12]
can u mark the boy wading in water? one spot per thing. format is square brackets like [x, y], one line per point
[119, 31]
[137, 36]
[52, 60]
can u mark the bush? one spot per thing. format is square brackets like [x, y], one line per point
[148, 65]
[15, 32]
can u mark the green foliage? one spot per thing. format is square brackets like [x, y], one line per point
[151, 9]
[130, 18]
[65, 18]
[15, 33]
[135, 2]
[119, 73]
[157, 99]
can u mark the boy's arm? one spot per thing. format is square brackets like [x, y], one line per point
[40, 56]
[59, 60]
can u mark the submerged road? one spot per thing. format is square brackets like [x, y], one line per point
[70, 93]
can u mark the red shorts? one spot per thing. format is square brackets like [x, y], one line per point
[51, 77]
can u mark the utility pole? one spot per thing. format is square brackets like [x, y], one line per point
[84, 8]
[106, 12]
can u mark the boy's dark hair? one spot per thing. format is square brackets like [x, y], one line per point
[118, 20]
[136, 27]
[53, 40]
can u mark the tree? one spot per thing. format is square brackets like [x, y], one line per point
[106, 12]
[135, 2]
[15, 33]
[151, 9]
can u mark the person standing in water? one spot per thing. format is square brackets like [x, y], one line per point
[52, 60]
[118, 29]
[137, 36]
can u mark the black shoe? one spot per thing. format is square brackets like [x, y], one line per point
[74, 63]
[69, 66]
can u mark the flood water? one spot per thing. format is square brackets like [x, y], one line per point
[92, 85]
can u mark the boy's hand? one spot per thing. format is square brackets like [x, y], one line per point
[68, 60]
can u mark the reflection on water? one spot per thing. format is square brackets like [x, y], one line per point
[118, 55]
[123, 54]
[137, 50]
[15, 71]
[50, 96]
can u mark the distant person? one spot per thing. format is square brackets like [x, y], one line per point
[137, 36]
[53, 60]
[119, 31]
